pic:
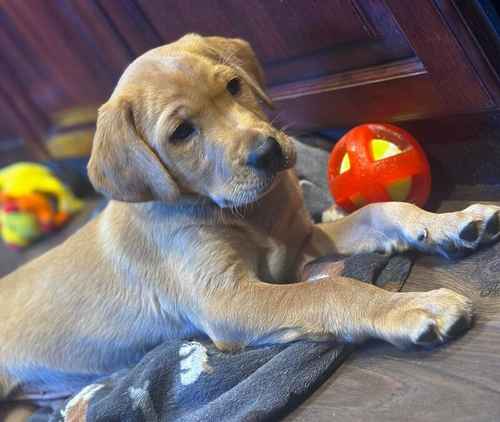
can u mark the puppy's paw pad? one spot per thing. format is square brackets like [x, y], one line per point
[428, 336]
[458, 327]
[455, 235]
[489, 215]
[434, 317]
[471, 232]
[420, 328]
[492, 228]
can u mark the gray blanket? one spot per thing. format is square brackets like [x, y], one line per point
[190, 380]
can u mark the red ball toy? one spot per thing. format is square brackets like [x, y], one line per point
[378, 163]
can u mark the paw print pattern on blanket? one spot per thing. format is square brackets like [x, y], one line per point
[194, 361]
[141, 400]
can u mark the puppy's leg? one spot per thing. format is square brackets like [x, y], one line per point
[396, 226]
[343, 309]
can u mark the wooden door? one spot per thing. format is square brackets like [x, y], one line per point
[336, 62]
[329, 63]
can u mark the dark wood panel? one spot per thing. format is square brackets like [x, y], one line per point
[447, 84]
[294, 39]
[329, 63]
[29, 121]
[104, 43]
[449, 129]
[79, 53]
[485, 27]
[480, 42]
[310, 63]
[40, 29]
[276, 29]
[442, 55]
[134, 28]
[370, 75]
[395, 99]
[324, 37]
[55, 55]
[12, 118]
[7, 130]
[23, 78]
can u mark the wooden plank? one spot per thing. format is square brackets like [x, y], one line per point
[59, 39]
[380, 384]
[382, 73]
[442, 54]
[465, 127]
[132, 24]
[478, 38]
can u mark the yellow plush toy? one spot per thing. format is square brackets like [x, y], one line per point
[32, 202]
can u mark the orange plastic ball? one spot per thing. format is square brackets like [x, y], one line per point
[378, 163]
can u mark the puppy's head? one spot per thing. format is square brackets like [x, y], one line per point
[186, 119]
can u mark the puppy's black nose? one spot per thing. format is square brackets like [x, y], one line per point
[267, 155]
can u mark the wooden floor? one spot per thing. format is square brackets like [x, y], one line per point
[457, 382]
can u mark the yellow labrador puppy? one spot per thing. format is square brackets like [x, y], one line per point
[207, 233]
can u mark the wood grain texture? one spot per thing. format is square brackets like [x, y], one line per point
[275, 29]
[457, 382]
[132, 25]
[398, 99]
[383, 73]
[77, 55]
[478, 39]
[12, 112]
[17, 78]
[455, 128]
[54, 55]
[441, 54]
[295, 40]
[450, 86]
[329, 63]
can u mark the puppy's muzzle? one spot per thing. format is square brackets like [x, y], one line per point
[267, 154]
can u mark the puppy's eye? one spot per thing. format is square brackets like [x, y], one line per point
[183, 131]
[234, 86]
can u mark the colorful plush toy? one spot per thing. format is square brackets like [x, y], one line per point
[377, 163]
[32, 202]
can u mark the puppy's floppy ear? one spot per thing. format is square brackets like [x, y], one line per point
[122, 165]
[239, 54]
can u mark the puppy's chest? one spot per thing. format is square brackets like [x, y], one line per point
[279, 248]
[276, 260]
[275, 265]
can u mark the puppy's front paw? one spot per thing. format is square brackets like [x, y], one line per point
[456, 234]
[428, 319]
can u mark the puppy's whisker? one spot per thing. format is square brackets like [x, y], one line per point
[275, 118]
[287, 126]
[228, 59]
